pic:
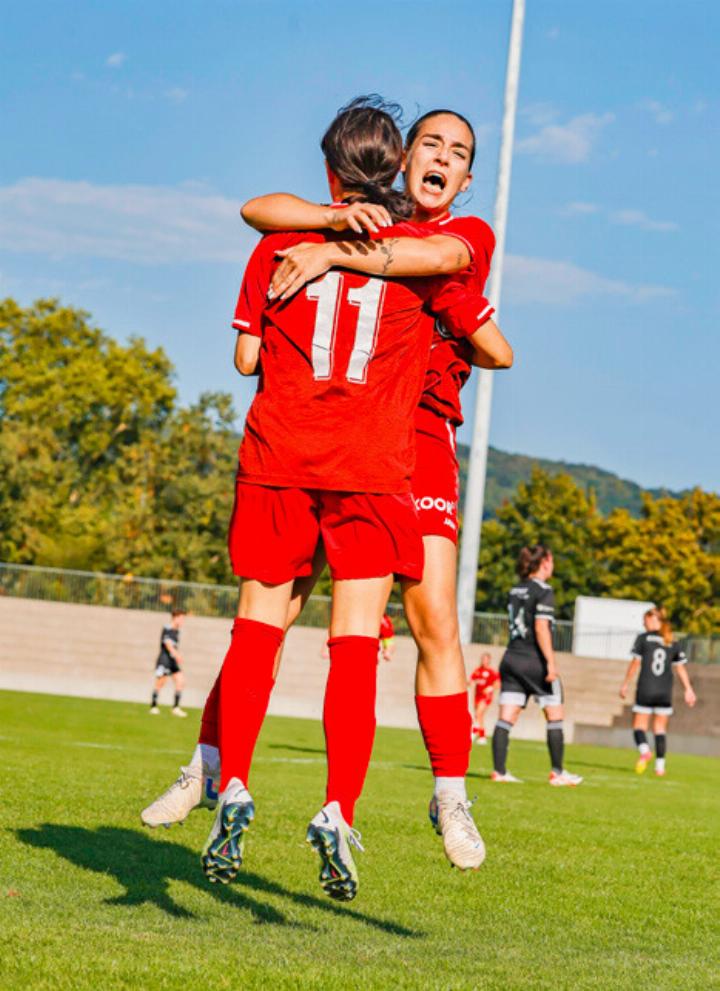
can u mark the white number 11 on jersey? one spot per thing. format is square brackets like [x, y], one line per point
[368, 299]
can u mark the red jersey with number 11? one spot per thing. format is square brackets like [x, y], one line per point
[342, 369]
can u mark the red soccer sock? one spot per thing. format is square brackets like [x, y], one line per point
[209, 732]
[349, 718]
[446, 726]
[246, 681]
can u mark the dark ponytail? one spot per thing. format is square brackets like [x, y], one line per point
[364, 148]
[530, 559]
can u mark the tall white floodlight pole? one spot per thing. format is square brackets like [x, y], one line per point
[477, 467]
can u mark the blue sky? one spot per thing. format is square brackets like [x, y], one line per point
[132, 132]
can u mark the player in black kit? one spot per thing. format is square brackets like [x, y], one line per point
[169, 662]
[528, 665]
[657, 656]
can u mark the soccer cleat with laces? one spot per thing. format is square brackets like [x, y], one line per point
[194, 789]
[564, 779]
[642, 762]
[463, 844]
[330, 835]
[222, 856]
[506, 778]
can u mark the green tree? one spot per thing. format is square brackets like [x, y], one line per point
[551, 510]
[671, 556]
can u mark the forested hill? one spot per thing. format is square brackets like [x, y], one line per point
[506, 470]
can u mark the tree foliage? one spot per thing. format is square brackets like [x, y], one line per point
[99, 466]
[669, 555]
[102, 469]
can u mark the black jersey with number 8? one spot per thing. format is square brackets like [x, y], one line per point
[656, 662]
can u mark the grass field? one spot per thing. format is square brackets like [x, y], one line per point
[608, 886]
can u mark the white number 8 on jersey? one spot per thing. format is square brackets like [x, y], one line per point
[658, 662]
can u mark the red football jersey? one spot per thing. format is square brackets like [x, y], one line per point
[484, 678]
[387, 630]
[342, 369]
[450, 359]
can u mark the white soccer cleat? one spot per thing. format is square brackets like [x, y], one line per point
[177, 711]
[481, 741]
[463, 844]
[194, 789]
[332, 837]
[564, 779]
[154, 710]
[507, 778]
[222, 855]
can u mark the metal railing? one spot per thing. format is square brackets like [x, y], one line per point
[161, 595]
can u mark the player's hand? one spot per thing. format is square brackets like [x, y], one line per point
[360, 217]
[551, 675]
[623, 692]
[300, 264]
[690, 697]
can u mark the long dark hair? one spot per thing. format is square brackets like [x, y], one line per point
[363, 147]
[415, 127]
[530, 559]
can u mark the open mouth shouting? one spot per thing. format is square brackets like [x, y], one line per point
[434, 182]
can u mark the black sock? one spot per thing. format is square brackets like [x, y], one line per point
[660, 745]
[177, 699]
[639, 736]
[154, 700]
[500, 744]
[556, 744]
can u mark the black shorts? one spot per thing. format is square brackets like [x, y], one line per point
[524, 675]
[655, 705]
[166, 665]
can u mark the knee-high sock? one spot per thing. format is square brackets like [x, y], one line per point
[246, 681]
[209, 730]
[556, 744]
[349, 718]
[660, 745]
[500, 744]
[446, 726]
[640, 737]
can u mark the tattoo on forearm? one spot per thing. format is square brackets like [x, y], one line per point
[387, 247]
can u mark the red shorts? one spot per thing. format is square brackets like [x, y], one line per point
[435, 482]
[274, 533]
[483, 695]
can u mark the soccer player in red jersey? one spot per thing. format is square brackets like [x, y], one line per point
[327, 452]
[387, 638]
[439, 153]
[484, 678]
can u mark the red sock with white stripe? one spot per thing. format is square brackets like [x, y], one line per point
[349, 718]
[446, 726]
[246, 681]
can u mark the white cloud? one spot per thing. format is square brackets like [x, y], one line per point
[567, 144]
[543, 280]
[540, 113]
[115, 60]
[176, 94]
[582, 208]
[658, 111]
[636, 218]
[144, 224]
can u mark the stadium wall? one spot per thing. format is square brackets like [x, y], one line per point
[106, 652]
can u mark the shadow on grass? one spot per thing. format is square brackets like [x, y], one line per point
[293, 746]
[602, 767]
[144, 867]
